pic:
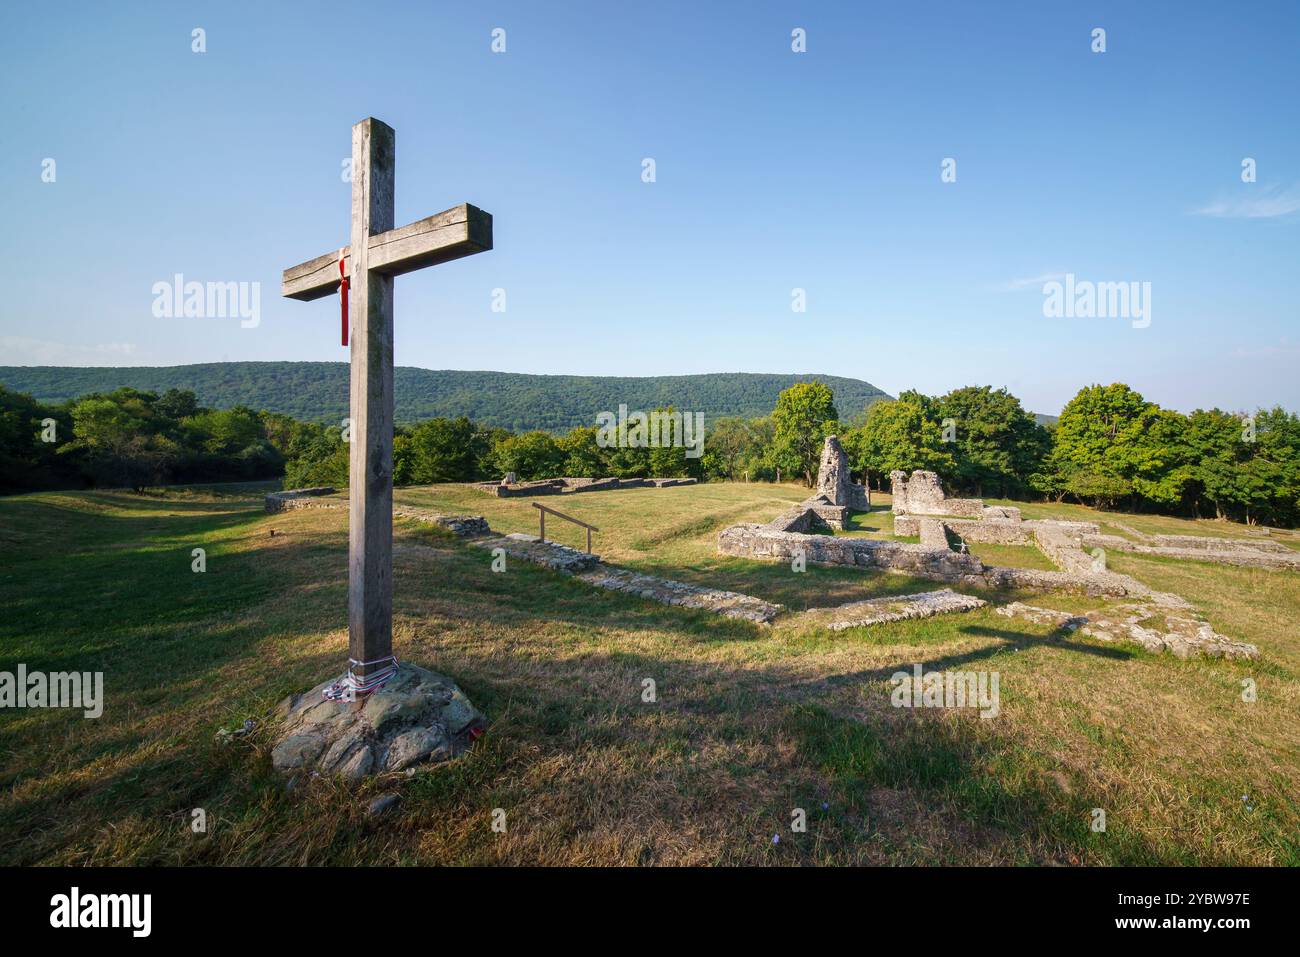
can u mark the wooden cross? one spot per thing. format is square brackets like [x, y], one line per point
[377, 253]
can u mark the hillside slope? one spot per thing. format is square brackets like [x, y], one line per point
[318, 391]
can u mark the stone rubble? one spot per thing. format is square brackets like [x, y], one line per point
[1155, 629]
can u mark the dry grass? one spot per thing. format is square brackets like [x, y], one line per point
[750, 722]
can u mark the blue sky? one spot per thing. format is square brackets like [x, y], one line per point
[775, 171]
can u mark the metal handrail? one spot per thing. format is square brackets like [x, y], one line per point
[541, 515]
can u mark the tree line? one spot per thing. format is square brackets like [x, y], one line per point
[1110, 448]
[129, 438]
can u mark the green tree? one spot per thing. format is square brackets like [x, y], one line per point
[899, 436]
[804, 415]
[727, 446]
[1272, 471]
[582, 455]
[115, 439]
[1103, 443]
[532, 455]
[26, 460]
[226, 431]
[177, 404]
[444, 450]
[998, 445]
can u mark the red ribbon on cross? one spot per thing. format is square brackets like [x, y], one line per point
[343, 298]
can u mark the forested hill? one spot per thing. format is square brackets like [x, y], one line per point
[318, 391]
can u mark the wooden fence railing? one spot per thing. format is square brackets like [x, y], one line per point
[541, 515]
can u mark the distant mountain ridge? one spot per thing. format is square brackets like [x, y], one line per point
[318, 391]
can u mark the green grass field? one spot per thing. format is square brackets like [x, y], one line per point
[751, 722]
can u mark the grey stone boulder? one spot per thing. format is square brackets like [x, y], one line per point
[297, 750]
[418, 716]
[416, 745]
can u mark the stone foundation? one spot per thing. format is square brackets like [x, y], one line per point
[936, 564]
[571, 485]
[465, 526]
[729, 604]
[300, 498]
[1222, 551]
[875, 611]
[548, 554]
[996, 531]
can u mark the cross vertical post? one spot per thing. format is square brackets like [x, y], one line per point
[375, 254]
[370, 461]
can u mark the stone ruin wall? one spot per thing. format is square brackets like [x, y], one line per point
[993, 533]
[937, 564]
[569, 486]
[297, 498]
[834, 483]
[923, 495]
[1064, 549]
[932, 533]
[799, 519]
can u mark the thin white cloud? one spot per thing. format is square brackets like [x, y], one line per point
[1262, 202]
[21, 351]
[1033, 282]
[1283, 348]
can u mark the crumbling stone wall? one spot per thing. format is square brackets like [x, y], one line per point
[834, 483]
[799, 519]
[300, 498]
[937, 564]
[833, 516]
[923, 495]
[1064, 549]
[933, 534]
[997, 532]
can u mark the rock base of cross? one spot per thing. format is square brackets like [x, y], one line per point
[418, 716]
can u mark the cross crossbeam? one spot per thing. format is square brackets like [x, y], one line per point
[452, 234]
